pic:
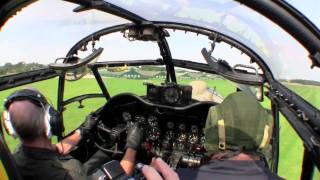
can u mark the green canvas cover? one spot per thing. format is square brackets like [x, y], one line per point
[244, 123]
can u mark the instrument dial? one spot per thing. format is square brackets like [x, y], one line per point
[182, 127]
[182, 138]
[153, 121]
[154, 134]
[171, 95]
[126, 116]
[194, 129]
[140, 119]
[193, 139]
[170, 125]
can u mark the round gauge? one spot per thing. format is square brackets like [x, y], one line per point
[140, 119]
[182, 137]
[169, 135]
[171, 95]
[152, 92]
[126, 116]
[170, 125]
[153, 121]
[194, 129]
[203, 139]
[193, 139]
[182, 127]
[154, 134]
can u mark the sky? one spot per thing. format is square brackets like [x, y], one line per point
[47, 29]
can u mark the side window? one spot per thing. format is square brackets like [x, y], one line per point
[309, 90]
[290, 146]
[316, 174]
[46, 30]
[75, 113]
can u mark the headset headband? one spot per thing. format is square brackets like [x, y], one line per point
[33, 96]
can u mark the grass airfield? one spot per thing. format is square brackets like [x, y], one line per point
[291, 147]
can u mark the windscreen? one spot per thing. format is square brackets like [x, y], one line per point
[287, 59]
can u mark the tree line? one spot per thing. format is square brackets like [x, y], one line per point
[9, 68]
[302, 81]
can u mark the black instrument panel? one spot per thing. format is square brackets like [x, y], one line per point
[167, 131]
[170, 94]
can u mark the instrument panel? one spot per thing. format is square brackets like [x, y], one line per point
[172, 133]
[170, 94]
[166, 134]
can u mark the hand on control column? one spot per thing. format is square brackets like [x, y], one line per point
[134, 137]
[85, 128]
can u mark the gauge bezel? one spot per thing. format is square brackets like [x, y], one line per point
[168, 96]
[124, 118]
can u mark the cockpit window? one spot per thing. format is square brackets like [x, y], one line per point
[46, 30]
[309, 10]
[127, 79]
[188, 46]
[118, 48]
[286, 57]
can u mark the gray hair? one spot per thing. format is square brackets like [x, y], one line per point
[27, 119]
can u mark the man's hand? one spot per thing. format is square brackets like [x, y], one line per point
[68, 143]
[159, 170]
[85, 128]
[133, 142]
[134, 137]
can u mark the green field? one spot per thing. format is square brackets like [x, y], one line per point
[291, 148]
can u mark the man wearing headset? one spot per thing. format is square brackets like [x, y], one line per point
[237, 131]
[29, 117]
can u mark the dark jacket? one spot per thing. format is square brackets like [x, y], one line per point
[44, 164]
[229, 170]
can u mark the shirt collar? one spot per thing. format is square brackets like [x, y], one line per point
[39, 153]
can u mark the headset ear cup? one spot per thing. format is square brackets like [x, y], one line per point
[8, 125]
[47, 120]
[55, 122]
